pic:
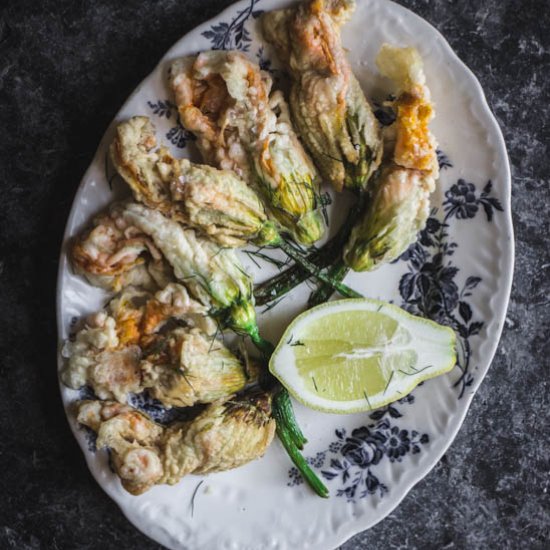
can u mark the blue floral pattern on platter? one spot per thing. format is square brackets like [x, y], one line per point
[177, 135]
[349, 460]
[429, 289]
[233, 35]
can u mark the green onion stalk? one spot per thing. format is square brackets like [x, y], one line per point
[322, 294]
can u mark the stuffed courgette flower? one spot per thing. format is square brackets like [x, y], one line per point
[106, 353]
[240, 125]
[185, 367]
[114, 255]
[328, 106]
[214, 275]
[217, 202]
[227, 434]
[399, 201]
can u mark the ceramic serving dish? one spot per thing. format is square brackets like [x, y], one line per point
[458, 273]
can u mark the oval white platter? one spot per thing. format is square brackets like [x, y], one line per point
[458, 273]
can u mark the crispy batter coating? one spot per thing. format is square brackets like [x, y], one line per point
[188, 367]
[331, 112]
[227, 434]
[217, 202]
[241, 125]
[106, 353]
[399, 201]
[113, 255]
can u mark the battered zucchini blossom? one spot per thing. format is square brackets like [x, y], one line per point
[217, 202]
[241, 125]
[165, 343]
[399, 199]
[331, 113]
[214, 275]
[227, 434]
[186, 367]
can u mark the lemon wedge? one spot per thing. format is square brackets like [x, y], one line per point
[358, 355]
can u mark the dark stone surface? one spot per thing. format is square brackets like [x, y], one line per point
[65, 68]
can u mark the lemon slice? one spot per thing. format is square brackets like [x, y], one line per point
[358, 355]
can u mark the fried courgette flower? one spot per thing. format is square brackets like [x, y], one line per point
[134, 440]
[214, 275]
[217, 202]
[399, 201]
[240, 125]
[148, 170]
[114, 255]
[106, 353]
[329, 109]
[227, 434]
[185, 367]
[96, 358]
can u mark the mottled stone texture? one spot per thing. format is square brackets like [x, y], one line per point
[65, 68]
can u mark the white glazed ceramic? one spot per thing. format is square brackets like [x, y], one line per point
[459, 273]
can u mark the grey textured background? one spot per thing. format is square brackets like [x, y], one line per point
[65, 68]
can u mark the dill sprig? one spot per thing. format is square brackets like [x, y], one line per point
[192, 503]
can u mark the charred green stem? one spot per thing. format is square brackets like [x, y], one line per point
[328, 254]
[282, 403]
[299, 461]
[337, 272]
[313, 270]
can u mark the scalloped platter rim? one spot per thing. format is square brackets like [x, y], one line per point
[458, 273]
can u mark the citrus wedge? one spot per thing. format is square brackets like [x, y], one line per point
[358, 355]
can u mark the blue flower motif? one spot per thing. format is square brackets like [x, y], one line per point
[426, 238]
[364, 448]
[462, 200]
[233, 35]
[350, 460]
[428, 289]
[398, 444]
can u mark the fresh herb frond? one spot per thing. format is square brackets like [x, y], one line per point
[315, 384]
[415, 370]
[297, 343]
[389, 380]
[332, 158]
[186, 378]
[214, 337]
[273, 303]
[367, 398]
[266, 258]
[192, 503]
[251, 256]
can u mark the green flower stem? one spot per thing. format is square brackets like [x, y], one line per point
[326, 255]
[288, 430]
[299, 461]
[291, 277]
[265, 346]
[283, 404]
[316, 272]
[282, 401]
[337, 272]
